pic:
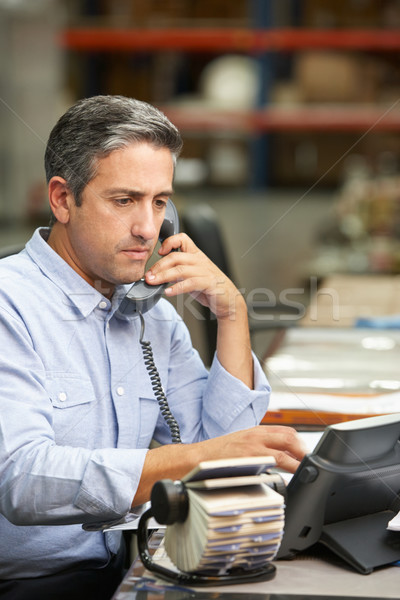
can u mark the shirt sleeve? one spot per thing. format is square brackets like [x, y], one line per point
[210, 403]
[229, 405]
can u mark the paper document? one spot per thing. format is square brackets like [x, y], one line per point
[134, 524]
[343, 404]
[129, 521]
[394, 524]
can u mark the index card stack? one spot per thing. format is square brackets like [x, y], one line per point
[235, 518]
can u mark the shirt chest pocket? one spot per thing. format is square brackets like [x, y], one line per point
[149, 412]
[73, 401]
[153, 414]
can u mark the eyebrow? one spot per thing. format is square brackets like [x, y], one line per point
[134, 193]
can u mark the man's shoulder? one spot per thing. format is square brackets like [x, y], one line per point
[17, 266]
[19, 279]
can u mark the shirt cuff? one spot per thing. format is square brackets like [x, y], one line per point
[110, 483]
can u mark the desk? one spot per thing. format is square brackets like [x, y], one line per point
[326, 354]
[323, 375]
[305, 575]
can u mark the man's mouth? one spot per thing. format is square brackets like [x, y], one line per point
[136, 253]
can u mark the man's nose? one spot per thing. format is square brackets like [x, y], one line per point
[143, 224]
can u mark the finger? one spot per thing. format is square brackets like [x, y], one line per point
[194, 276]
[176, 259]
[285, 439]
[175, 273]
[178, 241]
[189, 285]
[285, 461]
[164, 270]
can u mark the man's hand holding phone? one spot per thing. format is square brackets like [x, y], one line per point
[192, 272]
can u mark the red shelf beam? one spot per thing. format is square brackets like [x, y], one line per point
[299, 119]
[98, 39]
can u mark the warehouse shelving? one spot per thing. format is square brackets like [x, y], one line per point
[262, 43]
[253, 42]
[227, 39]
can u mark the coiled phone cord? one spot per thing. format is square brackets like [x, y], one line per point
[157, 385]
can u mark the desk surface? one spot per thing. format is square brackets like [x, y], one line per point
[324, 375]
[304, 575]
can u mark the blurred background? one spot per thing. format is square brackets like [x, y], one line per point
[289, 110]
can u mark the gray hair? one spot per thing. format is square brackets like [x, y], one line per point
[94, 127]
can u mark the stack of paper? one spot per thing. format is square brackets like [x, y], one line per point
[235, 518]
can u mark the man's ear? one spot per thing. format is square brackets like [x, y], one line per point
[60, 199]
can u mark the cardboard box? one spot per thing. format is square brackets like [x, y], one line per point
[330, 76]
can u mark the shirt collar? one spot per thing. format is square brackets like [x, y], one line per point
[80, 293]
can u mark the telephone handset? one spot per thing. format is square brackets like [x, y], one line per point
[142, 296]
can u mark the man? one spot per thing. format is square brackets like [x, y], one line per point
[78, 411]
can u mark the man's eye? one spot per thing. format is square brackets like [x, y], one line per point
[160, 203]
[122, 201]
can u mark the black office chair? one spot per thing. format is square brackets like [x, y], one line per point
[200, 222]
[11, 249]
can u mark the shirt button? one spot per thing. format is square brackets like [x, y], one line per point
[103, 304]
[120, 391]
[62, 396]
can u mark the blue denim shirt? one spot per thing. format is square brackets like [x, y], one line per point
[77, 410]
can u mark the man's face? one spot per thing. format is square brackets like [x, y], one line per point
[113, 233]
